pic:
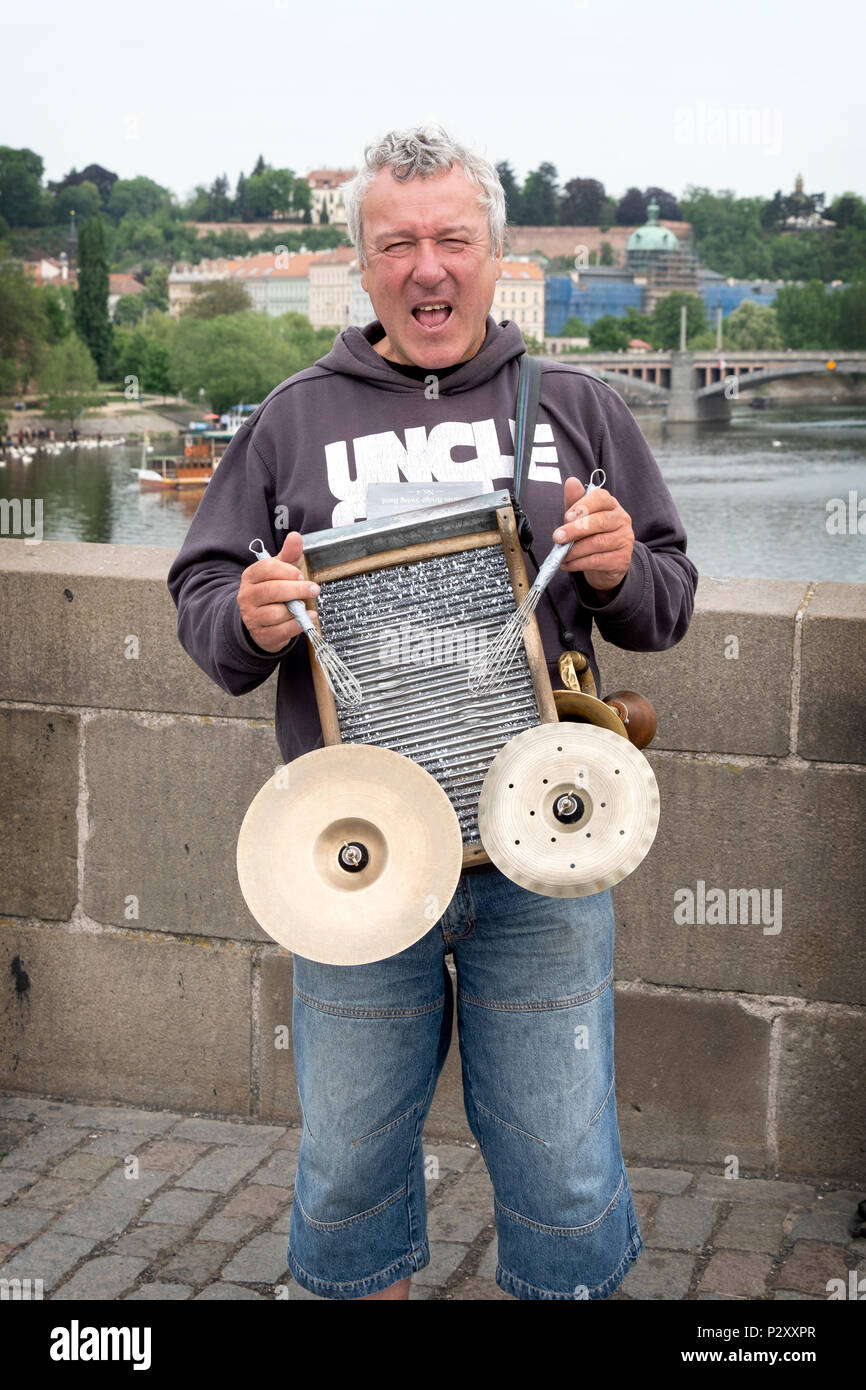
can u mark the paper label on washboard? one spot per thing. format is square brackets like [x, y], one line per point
[408, 634]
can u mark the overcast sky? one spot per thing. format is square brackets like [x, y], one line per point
[738, 94]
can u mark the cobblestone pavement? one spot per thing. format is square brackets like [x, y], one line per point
[109, 1202]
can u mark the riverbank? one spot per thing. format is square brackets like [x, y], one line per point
[110, 420]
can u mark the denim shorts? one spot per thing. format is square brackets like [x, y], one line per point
[535, 1024]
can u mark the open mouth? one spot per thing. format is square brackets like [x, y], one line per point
[432, 315]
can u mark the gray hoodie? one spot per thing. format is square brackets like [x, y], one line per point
[303, 460]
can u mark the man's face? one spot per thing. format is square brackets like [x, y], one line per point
[427, 244]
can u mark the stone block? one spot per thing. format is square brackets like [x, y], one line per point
[174, 1207]
[116, 1117]
[262, 1261]
[39, 796]
[659, 1274]
[822, 1094]
[39, 1150]
[692, 1076]
[736, 1274]
[149, 1241]
[278, 1086]
[159, 1293]
[447, 1116]
[279, 1171]
[741, 830]
[754, 1190]
[673, 1181]
[167, 797]
[19, 1224]
[810, 1267]
[127, 1018]
[227, 1132]
[220, 1170]
[70, 610]
[832, 698]
[195, 1263]
[707, 699]
[751, 1226]
[456, 1223]
[104, 1278]
[227, 1293]
[683, 1223]
[445, 1258]
[48, 1258]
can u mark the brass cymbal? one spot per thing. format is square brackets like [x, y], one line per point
[576, 705]
[349, 854]
[568, 809]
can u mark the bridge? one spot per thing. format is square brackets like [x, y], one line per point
[701, 385]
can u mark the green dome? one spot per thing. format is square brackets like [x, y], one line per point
[652, 237]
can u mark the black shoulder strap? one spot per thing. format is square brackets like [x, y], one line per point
[526, 409]
[528, 392]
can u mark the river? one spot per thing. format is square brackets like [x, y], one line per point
[754, 494]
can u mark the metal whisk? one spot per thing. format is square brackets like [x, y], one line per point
[345, 688]
[489, 669]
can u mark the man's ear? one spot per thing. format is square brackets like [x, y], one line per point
[497, 261]
[363, 268]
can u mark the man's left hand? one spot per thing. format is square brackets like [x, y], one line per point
[602, 534]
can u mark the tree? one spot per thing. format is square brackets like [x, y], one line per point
[261, 166]
[158, 372]
[22, 327]
[607, 216]
[23, 201]
[540, 200]
[58, 306]
[69, 380]
[666, 319]
[669, 208]
[574, 328]
[606, 253]
[102, 179]
[728, 234]
[631, 208]
[637, 325]
[513, 197]
[773, 211]
[608, 334]
[240, 204]
[219, 205]
[851, 316]
[216, 298]
[91, 299]
[805, 315]
[156, 290]
[582, 203]
[848, 211]
[302, 199]
[752, 328]
[139, 197]
[129, 310]
[81, 198]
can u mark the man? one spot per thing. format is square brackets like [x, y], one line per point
[427, 392]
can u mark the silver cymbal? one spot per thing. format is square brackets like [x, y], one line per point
[349, 854]
[568, 809]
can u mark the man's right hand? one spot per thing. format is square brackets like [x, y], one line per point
[266, 587]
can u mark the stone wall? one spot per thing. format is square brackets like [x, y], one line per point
[133, 972]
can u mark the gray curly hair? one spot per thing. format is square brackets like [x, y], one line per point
[422, 152]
